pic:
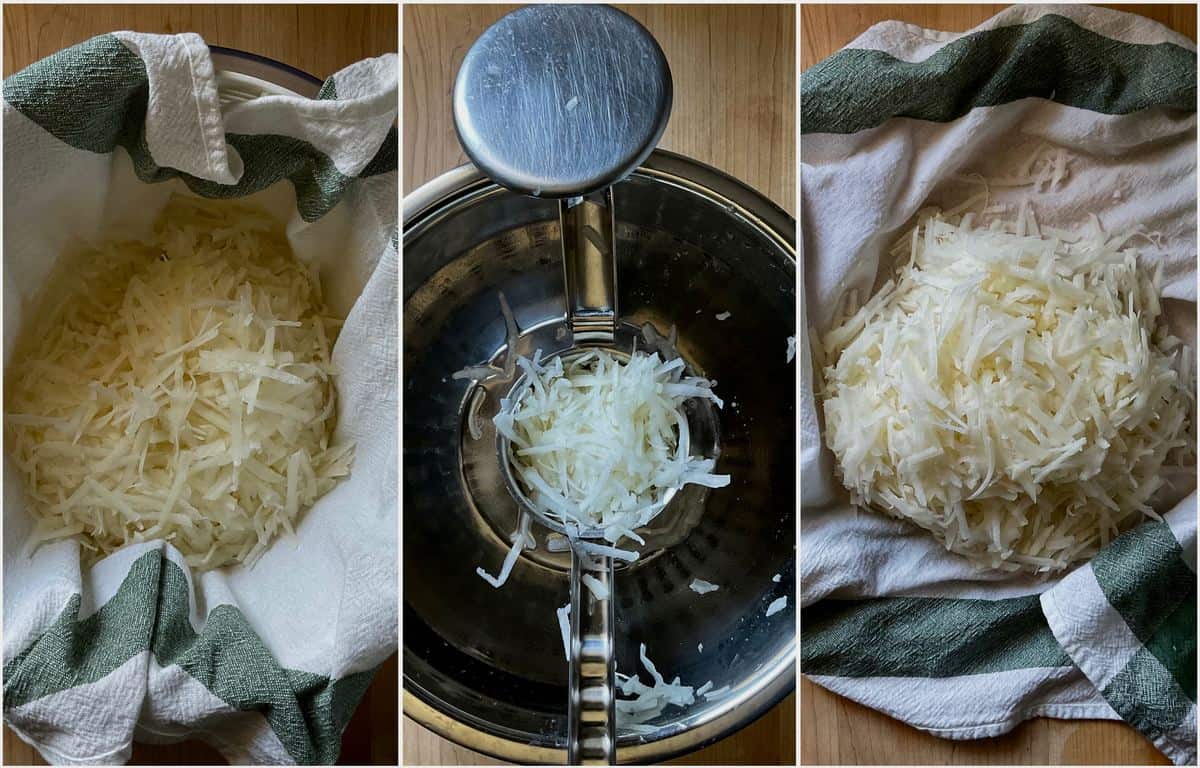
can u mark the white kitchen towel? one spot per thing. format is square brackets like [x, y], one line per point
[1128, 621]
[904, 118]
[265, 663]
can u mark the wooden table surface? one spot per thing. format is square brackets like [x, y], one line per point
[319, 39]
[733, 69]
[834, 730]
[770, 740]
[734, 75]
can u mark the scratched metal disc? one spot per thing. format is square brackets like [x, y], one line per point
[562, 100]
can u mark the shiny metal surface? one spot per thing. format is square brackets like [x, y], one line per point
[485, 667]
[592, 717]
[589, 265]
[241, 75]
[591, 691]
[531, 60]
[562, 100]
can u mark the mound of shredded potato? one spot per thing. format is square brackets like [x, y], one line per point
[180, 390]
[597, 442]
[1014, 391]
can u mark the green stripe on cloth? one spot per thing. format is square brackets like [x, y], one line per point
[328, 91]
[73, 652]
[82, 95]
[1145, 578]
[1174, 645]
[1147, 697]
[93, 96]
[1052, 58]
[150, 610]
[926, 637]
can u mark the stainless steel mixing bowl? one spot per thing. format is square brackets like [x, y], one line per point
[485, 667]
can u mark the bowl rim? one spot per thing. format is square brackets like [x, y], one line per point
[523, 753]
[245, 63]
[423, 208]
[429, 201]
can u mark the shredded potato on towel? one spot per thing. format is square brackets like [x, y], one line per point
[1014, 391]
[181, 391]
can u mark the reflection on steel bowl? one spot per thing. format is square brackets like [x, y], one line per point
[485, 667]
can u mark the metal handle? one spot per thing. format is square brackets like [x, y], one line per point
[589, 265]
[591, 705]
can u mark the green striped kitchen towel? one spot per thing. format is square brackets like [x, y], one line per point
[267, 663]
[904, 118]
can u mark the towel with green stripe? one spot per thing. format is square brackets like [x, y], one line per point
[265, 662]
[1081, 117]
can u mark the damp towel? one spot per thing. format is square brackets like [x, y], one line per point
[266, 663]
[906, 117]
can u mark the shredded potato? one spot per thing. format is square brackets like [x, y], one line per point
[180, 390]
[598, 442]
[649, 701]
[1014, 391]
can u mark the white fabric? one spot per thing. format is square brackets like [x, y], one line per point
[1100, 643]
[348, 129]
[859, 192]
[158, 704]
[177, 706]
[911, 43]
[979, 706]
[68, 727]
[1182, 522]
[1076, 609]
[324, 603]
[183, 116]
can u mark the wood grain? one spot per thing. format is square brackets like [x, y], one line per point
[733, 69]
[824, 29]
[837, 731]
[734, 77]
[319, 39]
[834, 730]
[770, 740]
